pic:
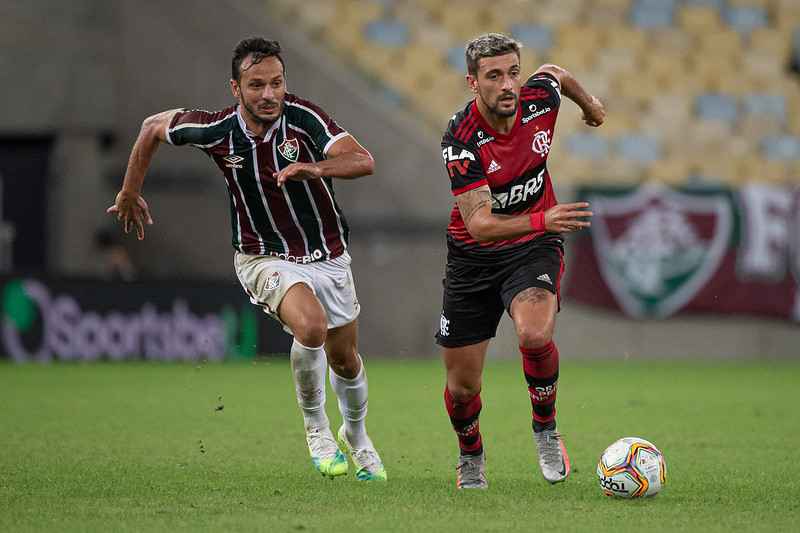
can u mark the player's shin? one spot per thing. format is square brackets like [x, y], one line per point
[308, 370]
[352, 396]
[541, 372]
[464, 418]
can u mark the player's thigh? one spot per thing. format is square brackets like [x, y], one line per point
[531, 295]
[534, 313]
[464, 366]
[302, 313]
[284, 290]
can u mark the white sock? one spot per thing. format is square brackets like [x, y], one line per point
[308, 370]
[352, 396]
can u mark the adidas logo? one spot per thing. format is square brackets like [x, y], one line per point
[493, 167]
[545, 278]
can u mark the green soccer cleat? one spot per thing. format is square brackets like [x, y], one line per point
[326, 456]
[367, 461]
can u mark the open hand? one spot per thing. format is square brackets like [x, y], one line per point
[297, 172]
[132, 210]
[564, 218]
[594, 114]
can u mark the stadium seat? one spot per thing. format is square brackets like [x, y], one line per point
[387, 32]
[716, 4]
[719, 170]
[760, 170]
[457, 59]
[716, 107]
[618, 171]
[627, 37]
[781, 148]
[723, 43]
[768, 41]
[643, 149]
[533, 36]
[587, 146]
[616, 61]
[652, 13]
[566, 169]
[745, 19]
[582, 36]
[609, 13]
[673, 171]
[770, 106]
[699, 19]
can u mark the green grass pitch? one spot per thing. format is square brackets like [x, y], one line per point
[146, 447]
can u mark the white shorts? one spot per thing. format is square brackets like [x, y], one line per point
[266, 280]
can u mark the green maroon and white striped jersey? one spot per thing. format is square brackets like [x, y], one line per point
[300, 221]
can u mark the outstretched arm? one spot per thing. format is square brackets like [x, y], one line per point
[129, 206]
[484, 226]
[594, 112]
[346, 159]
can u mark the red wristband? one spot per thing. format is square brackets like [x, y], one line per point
[537, 221]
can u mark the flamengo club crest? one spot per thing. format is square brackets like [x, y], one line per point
[658, 247]
[541, 142]
[289, 149]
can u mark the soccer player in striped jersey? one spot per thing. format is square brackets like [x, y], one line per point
[505, 244]
[278, 154]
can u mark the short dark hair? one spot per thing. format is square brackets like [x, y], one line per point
[260, 48]
[489, 45]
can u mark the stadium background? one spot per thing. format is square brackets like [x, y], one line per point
[678, 305]
[701, 95]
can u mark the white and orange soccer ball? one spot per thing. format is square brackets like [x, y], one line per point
[632, 468]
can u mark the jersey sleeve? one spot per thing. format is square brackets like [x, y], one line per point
[323, 130]
[463, 165]
[200, 128]
[546, 86]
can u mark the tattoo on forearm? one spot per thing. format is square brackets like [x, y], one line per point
[470, 202]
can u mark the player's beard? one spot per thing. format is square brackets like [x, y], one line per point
[502, 113]
[264, 121]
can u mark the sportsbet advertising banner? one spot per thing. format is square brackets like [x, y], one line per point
[58, 320]
[654, 251]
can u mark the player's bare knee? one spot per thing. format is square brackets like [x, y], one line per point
[532, 337]
[345, 364]
[464, 393]
[311, 330]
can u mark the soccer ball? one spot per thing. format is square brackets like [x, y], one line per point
[631, 468]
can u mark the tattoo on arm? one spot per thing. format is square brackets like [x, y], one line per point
[471, 201]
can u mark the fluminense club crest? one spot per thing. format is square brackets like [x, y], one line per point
[290, 149]
[658, 247]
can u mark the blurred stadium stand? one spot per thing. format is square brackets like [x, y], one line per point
[697, 91]
[678, 76]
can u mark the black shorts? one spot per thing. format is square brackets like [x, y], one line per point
[478, 287]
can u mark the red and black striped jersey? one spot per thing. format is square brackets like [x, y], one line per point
[513, 165]
[300, 221]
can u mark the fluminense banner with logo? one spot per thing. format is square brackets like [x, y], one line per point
[68, 320]
[654, 251]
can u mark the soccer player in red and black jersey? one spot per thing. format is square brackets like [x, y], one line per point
[505, 243]
[277, 153]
